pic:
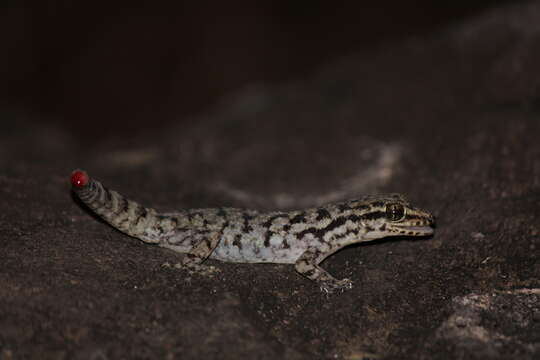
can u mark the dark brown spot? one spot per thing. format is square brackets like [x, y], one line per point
[322, 214]
[159, 227]
[237, 241]
[361, 207]
[123, 222]
[122, 205]
[247, 227]
[298, 219]
[269, 222]
[346, 234]
[285, 244]
[138, 210]
[374, 215]
[224, 226]
[340, 221]
[317, 233]
[267, 235]
[108, 198]
[221, 212]
[142, 214]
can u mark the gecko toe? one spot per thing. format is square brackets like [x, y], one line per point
[199, 270]
[330, 287]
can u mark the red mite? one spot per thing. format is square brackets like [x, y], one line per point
[79, 178]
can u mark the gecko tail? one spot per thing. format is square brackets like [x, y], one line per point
[123, 214]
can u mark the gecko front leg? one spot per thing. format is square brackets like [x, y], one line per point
[308, 266]
[203, 246]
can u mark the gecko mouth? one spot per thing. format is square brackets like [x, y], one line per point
[424, 230]
[417, 230]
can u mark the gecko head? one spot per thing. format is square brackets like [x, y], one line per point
[393, 216]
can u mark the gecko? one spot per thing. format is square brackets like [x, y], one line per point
[301, 237]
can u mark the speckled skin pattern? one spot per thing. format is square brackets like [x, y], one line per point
[302, 237]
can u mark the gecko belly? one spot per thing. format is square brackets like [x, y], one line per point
[254, 249]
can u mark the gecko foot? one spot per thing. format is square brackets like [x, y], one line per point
[333, 286]
[197, 269]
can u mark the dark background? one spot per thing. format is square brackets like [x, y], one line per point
[110, 67]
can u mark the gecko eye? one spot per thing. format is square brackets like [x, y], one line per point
[395, 212]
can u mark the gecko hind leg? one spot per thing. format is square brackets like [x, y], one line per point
[308, 266]
[193, 260]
